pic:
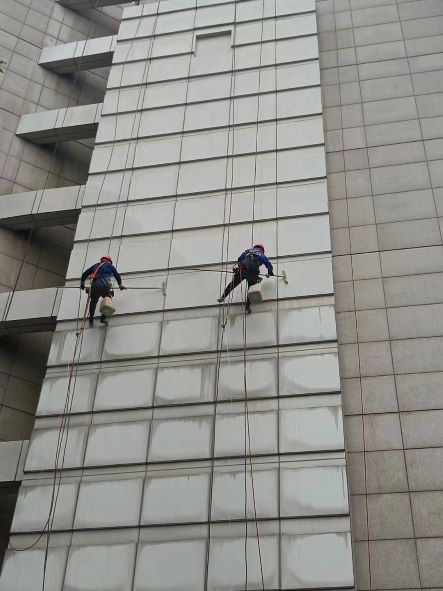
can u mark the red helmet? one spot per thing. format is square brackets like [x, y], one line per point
[106, 257]
[259, 245]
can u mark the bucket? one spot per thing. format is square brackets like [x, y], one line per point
[107, 306]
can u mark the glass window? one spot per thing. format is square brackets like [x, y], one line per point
[34, 503]
[171, 566]
[175, 21]
[309, 374]
[302, 199]
[194, 211]
[180, 439]
[181, 292]
[100, 568]
[133, 340]
[132, 73]
[172, 44]
[304, 132]
[209, 87]
[22, 570]
[213, 52]
[307, 277]
[227, 564]
[301, 567]
[43, 448]
[291, 76]
[169, 68]
[166, 93]
[160, 181]
[125, 389]
[155, 251]
[157, 151]
[118, 443]
[228, 497]
[109, 503]
[54, 394]
[304, 325]
[288, 6]
[161, 121]
[149, 217]
[215, 15]
[301, 164]
[212, 144]
[127, 51]
[295, 103]
[261, 332]
[304, 235]
[185, 384]
[189, 335]
[311, 429]
[196, 247]
[206, 115]
[261, 379]
[317, 490]
[161, 494]
[230, 433]
[63, 344]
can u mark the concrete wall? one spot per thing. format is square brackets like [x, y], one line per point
[382, 82]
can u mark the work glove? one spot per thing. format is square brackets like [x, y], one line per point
[270, 275]
[122, 287]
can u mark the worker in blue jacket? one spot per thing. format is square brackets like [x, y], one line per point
[248, 267]
[101, 284]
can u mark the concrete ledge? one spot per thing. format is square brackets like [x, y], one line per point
[72, 123]
[33, 310]
[80, 55]
[49, 207]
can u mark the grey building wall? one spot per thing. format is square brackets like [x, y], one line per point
[382, 82]
[211, 138]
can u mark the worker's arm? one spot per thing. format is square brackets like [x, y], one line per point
[117, 277]
[242, 256]
[86, 274]
[265, 261]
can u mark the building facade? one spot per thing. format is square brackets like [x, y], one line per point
[187, 445]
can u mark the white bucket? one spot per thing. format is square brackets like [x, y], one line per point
[107, 306]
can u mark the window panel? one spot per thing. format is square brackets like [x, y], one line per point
[155, 251]
[101, 568]
[160, 499]
[215, 15]
[43, 448]
[157, 151]
[172, 44]
[196, 247]
[212, 144]
[300, 133]
[189, 335]
[294, 75]
[118, 443]
[21, 570]
[185, 384]
[171, 566]
[227, 564]
[34, 503]
[168, 68]
[137, 386]
[305, 325]
[133, 340]
[295, 103]
[109, 503]
[213, 53]
[307, 277]
[302, 199]
[63, 345]
[309, 374]
[204, 115]
[160, 121]
[54, 394]
[209, 87]
[180, 439]
[148, 183]
[304, 235]
[167, 93]
[230, 433]
[301, 567]
[261, 332]
[315, 490]
[228, 497]
[197, 177]
[311, 429]
[199, 211]
[148, 217]
[181, 292]
[175, 21]
[261, 379]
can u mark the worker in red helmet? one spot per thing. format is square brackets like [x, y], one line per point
[248, 267]
[101, 284]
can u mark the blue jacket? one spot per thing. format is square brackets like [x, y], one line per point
[260, 255]
[103, 277]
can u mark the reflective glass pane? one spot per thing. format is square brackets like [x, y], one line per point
[125, 389]
[307, 324]
[228, 497]
[54, 394]
[261, 379]
[309, 374]
[160, 499]
[304, 235]
[230, 434]
[180, 439]
[23, 571]
[118, 443]
[311, 429]
[45, 442]
[109, 503]
[171, 566]
[191, 334]
[302, 569]
[34, 503]
[133, 340]
[102, 568]
[313, 491]
[180, 384]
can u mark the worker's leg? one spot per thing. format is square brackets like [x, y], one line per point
[95, 295]
[252, 280]
[236, 280]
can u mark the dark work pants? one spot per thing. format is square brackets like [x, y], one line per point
[239, 275]
[98, 292]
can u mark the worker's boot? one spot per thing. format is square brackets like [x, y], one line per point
[104, 320]
[248, 308]
[221, 299]
[91, 322]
